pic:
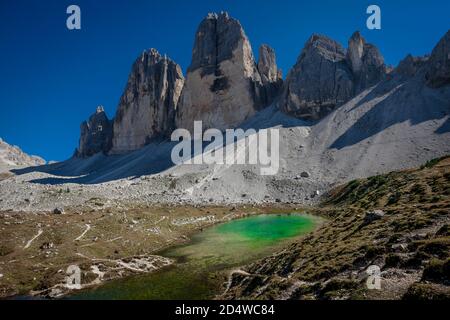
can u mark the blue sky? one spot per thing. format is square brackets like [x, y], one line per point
[51, 79]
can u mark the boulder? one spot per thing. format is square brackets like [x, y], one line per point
[304, 174]
[58, 211]
[373, 215]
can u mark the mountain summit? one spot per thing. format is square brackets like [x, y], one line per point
[224, 86]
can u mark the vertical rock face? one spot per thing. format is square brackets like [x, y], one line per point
[267, 65]
[271, 76]
[319, 82]
[366, 63]
[96, 134]
[326, 76]
[438, 73]
[355, 52]
[147, 107]
[223, 86]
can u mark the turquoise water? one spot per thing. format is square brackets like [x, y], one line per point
[201, 265]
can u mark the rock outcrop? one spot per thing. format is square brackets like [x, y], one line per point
[271, 76]
[319, 82]
[147, 107]
[410, 65]
[96, 134]
[438, 73]
[326, 76]
[223, 85]
[12, 156]
[366, 62]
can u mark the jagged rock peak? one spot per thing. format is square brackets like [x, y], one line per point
[147, 107]
[96, 134]
[218, 35]
[355, 51]
[267, 65]
[438, 73]
[366, 62]
[320, 80]
[271, 76]
[325, 46]
[223, 85]
[327, 76]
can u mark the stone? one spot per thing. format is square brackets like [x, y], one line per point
[147, 107]
[319, 82]
[373, 215]
[438, 73]
[304, 174]
[96, 135]
[47, 245]
[223, 86]
[58, 211]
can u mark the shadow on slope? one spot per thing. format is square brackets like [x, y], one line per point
[395, 102]
[152, 159]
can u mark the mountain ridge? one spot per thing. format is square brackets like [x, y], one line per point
[13, 156]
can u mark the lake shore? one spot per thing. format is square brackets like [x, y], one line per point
[36, 249]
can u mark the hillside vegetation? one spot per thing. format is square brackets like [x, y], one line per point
[398, 221]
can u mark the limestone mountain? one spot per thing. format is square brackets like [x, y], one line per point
[326, 76]
[320, 81]
[366, 62]
[271, 76]
[147, 107]
[223, 84]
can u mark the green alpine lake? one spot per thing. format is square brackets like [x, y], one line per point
[201, 265]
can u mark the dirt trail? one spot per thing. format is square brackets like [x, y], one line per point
[32, 239]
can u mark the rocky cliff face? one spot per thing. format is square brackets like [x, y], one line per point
[438, 73]
[96, 134]
[147, 107]
[320, 81]
[326, 76]
[223, 85]
[12, 156]
[366, 63]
